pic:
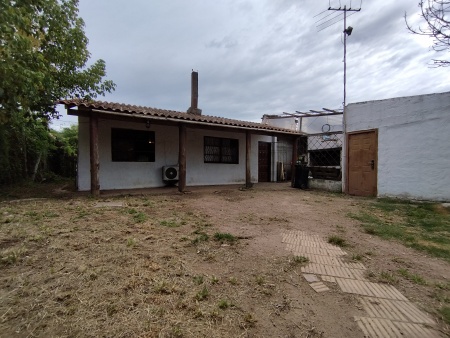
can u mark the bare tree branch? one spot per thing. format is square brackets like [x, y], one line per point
[436, 15]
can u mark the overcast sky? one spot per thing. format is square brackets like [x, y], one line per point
[257, 57]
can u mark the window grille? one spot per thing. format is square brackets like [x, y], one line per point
[221, 150]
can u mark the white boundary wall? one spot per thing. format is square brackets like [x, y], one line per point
[413, 144]
[130, 175]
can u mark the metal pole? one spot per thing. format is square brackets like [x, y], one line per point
[344, 115]
[345, 54]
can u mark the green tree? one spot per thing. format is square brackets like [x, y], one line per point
[437, 26]
[43, 58]
[62, 157]
[43, 54]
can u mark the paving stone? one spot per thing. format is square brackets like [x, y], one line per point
[385, 328]
[114, 204]
[394, 310]
[298, 250]
[370, 289]
[328, 279]
[335, 271]
[311, 278]
[319, 287]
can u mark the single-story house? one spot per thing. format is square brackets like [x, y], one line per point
[126, 147]
[399, 147]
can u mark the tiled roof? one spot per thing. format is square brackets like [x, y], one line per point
[128, 110]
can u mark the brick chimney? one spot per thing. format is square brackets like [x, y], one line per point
[194, 95]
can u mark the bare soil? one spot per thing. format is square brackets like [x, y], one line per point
[152, 267]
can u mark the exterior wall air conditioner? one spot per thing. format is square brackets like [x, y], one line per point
[170, 174]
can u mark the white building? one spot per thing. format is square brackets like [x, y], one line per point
[126, 147]
[399, 147]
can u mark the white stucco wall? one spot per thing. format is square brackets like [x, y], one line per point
[413, 144]
[128, 175]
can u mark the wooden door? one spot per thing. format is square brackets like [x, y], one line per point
[264, 161]
[362, 163]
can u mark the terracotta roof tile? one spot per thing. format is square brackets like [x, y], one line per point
[171, 115]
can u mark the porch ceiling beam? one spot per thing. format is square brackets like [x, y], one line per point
[94, 158]
[318, 114]
[248, 148]
[182, 158]
[333, 111]
[294, 159]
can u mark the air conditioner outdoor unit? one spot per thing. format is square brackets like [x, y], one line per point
[170, 174]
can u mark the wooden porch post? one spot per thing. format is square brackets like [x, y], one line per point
[182, 157]
[93, 146]
[248, 148]
[294, 160]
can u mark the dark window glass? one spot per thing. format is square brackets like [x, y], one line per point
[221, 150]
[129, 145]
[325, 157]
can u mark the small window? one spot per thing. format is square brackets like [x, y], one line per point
[132, 145]
[325, 157]
[221, 150]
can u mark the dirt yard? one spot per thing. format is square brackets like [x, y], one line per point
[209, 263]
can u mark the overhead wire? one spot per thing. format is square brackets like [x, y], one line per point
[336, 16]
[320, 13]
[326, 16]
[336, 22]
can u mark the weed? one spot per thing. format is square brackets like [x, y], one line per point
[214, 280]
[224, 237]
[398, 260]
[169, 223]
[299, 260]
[249, 319]
[338, 241]
[11, 256]
[198, 279]
[162, 287]
[176, 332]
[443, 286]
[357, 257]
[445, 313]
[131, 242]
[202, 294]
[139, 217]
[223, 304]
[416, 279]
[370, 274]
[387, 278]
[232, 281]
[202, 237]
[259, 280]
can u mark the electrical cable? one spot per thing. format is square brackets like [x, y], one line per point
[338, 15]
[320, 13]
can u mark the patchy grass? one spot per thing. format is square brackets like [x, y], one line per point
[170, 223]
[416, 279]
[224, 237]
[338, 241]
[357, 257]
[445, 313]
[300, 260]
[422, 226]
[388, 278]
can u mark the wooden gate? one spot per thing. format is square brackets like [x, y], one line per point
[362, 153]
[264, 161]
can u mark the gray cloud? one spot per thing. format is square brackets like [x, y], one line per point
[256, 56]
